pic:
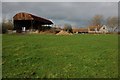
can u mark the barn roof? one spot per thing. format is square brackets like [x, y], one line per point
[27, 16]
[23, 16]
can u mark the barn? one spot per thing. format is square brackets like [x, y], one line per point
[29, 21]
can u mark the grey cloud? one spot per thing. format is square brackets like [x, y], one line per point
[60, 12]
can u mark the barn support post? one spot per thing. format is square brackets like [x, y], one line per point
[31, 29]
[39, 28]
[19, 30]
[17, 26]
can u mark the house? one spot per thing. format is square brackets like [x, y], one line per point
[98, 29]
[93, 29]
[116, 29]
[104, 29]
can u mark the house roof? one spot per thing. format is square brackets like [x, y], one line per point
[94, 27]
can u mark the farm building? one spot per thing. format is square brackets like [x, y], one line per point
[80, 30]
[28, 21]
[104, 29]
[99, 29]
[93, 29]
[116, 29]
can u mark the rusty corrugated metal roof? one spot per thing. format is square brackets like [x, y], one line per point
[27, 16]
[23, 16]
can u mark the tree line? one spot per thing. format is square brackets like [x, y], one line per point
[110, 22]
[97, 20]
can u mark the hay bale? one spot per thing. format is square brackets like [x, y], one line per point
[34, 32]
[63, 33]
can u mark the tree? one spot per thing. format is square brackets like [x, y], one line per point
[97, 20]
[112, 22]
[9, 25]
[0, 27]
[6, 25]
[4, 30]
[68, 28]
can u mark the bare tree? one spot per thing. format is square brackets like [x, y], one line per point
[7, 24]
[0, 28]
[112, 22]
[68, 28]
[97, 20]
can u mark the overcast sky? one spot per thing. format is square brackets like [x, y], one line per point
[60, 0]
[75, 13]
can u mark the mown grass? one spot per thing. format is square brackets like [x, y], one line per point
[52, 56]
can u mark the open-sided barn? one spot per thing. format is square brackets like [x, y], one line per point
[29, 21]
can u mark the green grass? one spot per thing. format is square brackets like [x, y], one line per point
[53, 56]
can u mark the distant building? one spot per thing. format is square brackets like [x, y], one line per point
[116, 29]
[94, 29]
[80, 30]
[104, 29]
[101, 29]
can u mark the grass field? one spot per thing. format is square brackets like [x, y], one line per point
[53, 56]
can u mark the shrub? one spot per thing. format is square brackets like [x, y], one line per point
[68, 28]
